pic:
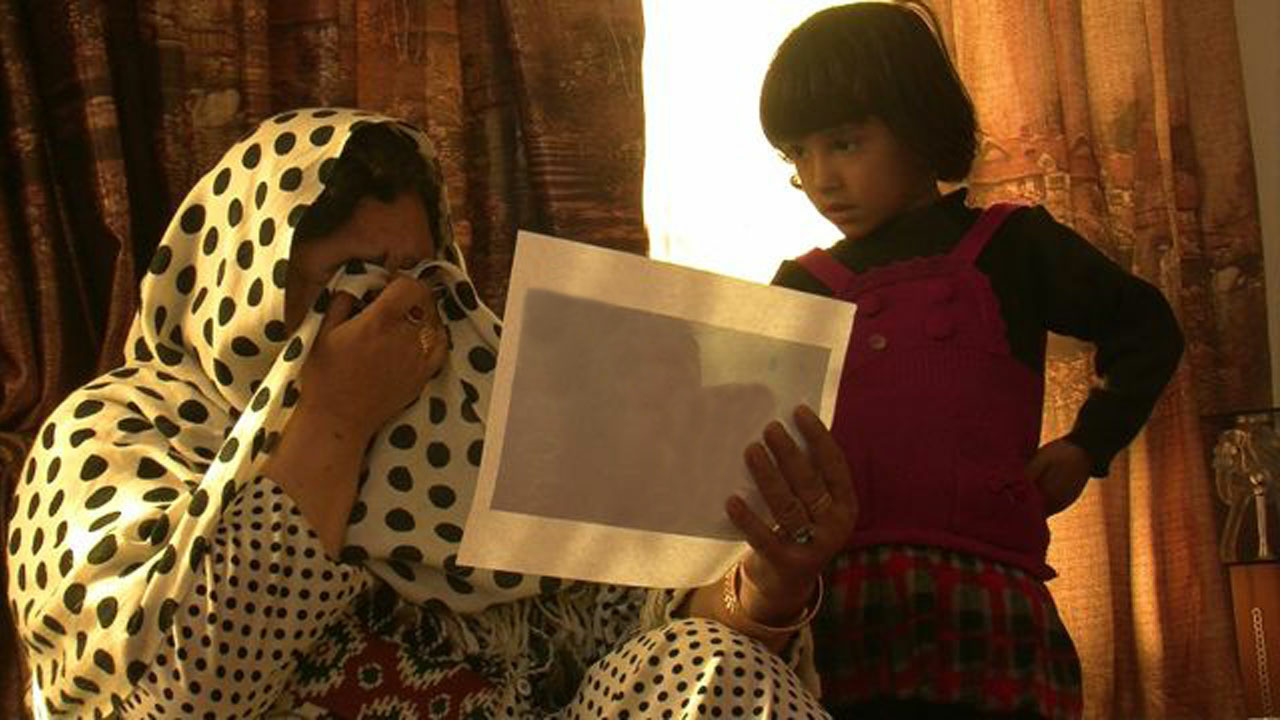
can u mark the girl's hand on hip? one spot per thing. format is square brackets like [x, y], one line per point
[813, 506]
[363, 369]
[1061, 471]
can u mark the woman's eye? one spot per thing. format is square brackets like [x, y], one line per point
[844, 145]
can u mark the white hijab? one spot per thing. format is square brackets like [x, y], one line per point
[134, 470]
[421, 468]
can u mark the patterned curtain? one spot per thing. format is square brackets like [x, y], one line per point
[1127, 121]
[110, 111]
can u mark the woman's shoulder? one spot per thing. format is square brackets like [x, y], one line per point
[118, 393]
[132, 409]
[86, 412]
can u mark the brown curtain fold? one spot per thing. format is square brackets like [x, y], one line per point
[112, 110]
[1126, 120]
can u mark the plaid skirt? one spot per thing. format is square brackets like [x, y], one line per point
[935, 626]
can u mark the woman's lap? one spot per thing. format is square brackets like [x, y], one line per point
[690, 669]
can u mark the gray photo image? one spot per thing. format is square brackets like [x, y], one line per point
[635, 419]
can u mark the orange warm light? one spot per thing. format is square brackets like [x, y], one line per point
[716, 194]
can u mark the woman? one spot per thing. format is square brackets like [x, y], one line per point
[277, 480]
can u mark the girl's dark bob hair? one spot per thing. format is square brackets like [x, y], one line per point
[851, 62]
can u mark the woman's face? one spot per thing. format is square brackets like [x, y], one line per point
[395, 235]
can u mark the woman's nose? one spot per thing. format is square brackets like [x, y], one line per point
[410, 252]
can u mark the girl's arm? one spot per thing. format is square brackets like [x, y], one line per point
[1082, 293]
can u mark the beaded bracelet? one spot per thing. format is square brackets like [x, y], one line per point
[733, 606]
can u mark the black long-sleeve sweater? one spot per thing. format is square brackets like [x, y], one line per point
[1046, 278]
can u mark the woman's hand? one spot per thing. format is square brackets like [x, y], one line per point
[1061, 471]
[364, 369]
[810, 496]
[814, 508]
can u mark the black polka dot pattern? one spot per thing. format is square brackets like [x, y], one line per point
[692, 669]
[143, 478]
[153, 570]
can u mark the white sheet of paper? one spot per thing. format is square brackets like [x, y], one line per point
[625, 393]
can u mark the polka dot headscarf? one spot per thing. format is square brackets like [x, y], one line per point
[132, 477]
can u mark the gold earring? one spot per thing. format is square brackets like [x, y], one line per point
[795, 182]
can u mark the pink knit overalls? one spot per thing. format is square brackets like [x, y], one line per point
[937, 418]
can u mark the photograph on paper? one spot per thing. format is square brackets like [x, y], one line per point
[625, 395]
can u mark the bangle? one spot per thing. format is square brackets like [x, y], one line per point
[733, 607]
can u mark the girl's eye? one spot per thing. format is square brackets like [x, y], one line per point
[844, 145]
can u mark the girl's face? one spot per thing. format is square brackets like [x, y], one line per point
[396, 235]
[859, 175]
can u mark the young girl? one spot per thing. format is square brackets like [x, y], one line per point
[938, 606]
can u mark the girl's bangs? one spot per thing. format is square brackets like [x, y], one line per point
[805, 92]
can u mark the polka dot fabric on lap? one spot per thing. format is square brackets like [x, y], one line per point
[692, 669]
[151, 569]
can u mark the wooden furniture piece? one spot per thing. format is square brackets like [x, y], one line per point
[1255, 595]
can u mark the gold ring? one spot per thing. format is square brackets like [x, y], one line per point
[426, 338]
[820, 504]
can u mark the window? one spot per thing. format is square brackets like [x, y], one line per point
[716, 195]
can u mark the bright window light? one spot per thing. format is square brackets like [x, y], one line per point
[716, 195]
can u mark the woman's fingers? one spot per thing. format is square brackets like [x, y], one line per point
[797, 468]
[407, 300]
[393, 347]
[341, 306]
[405, 315]
[760, 536]
[434, 342]
[787, 510]
[811, 498]
[827, 457]
[808, 493]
